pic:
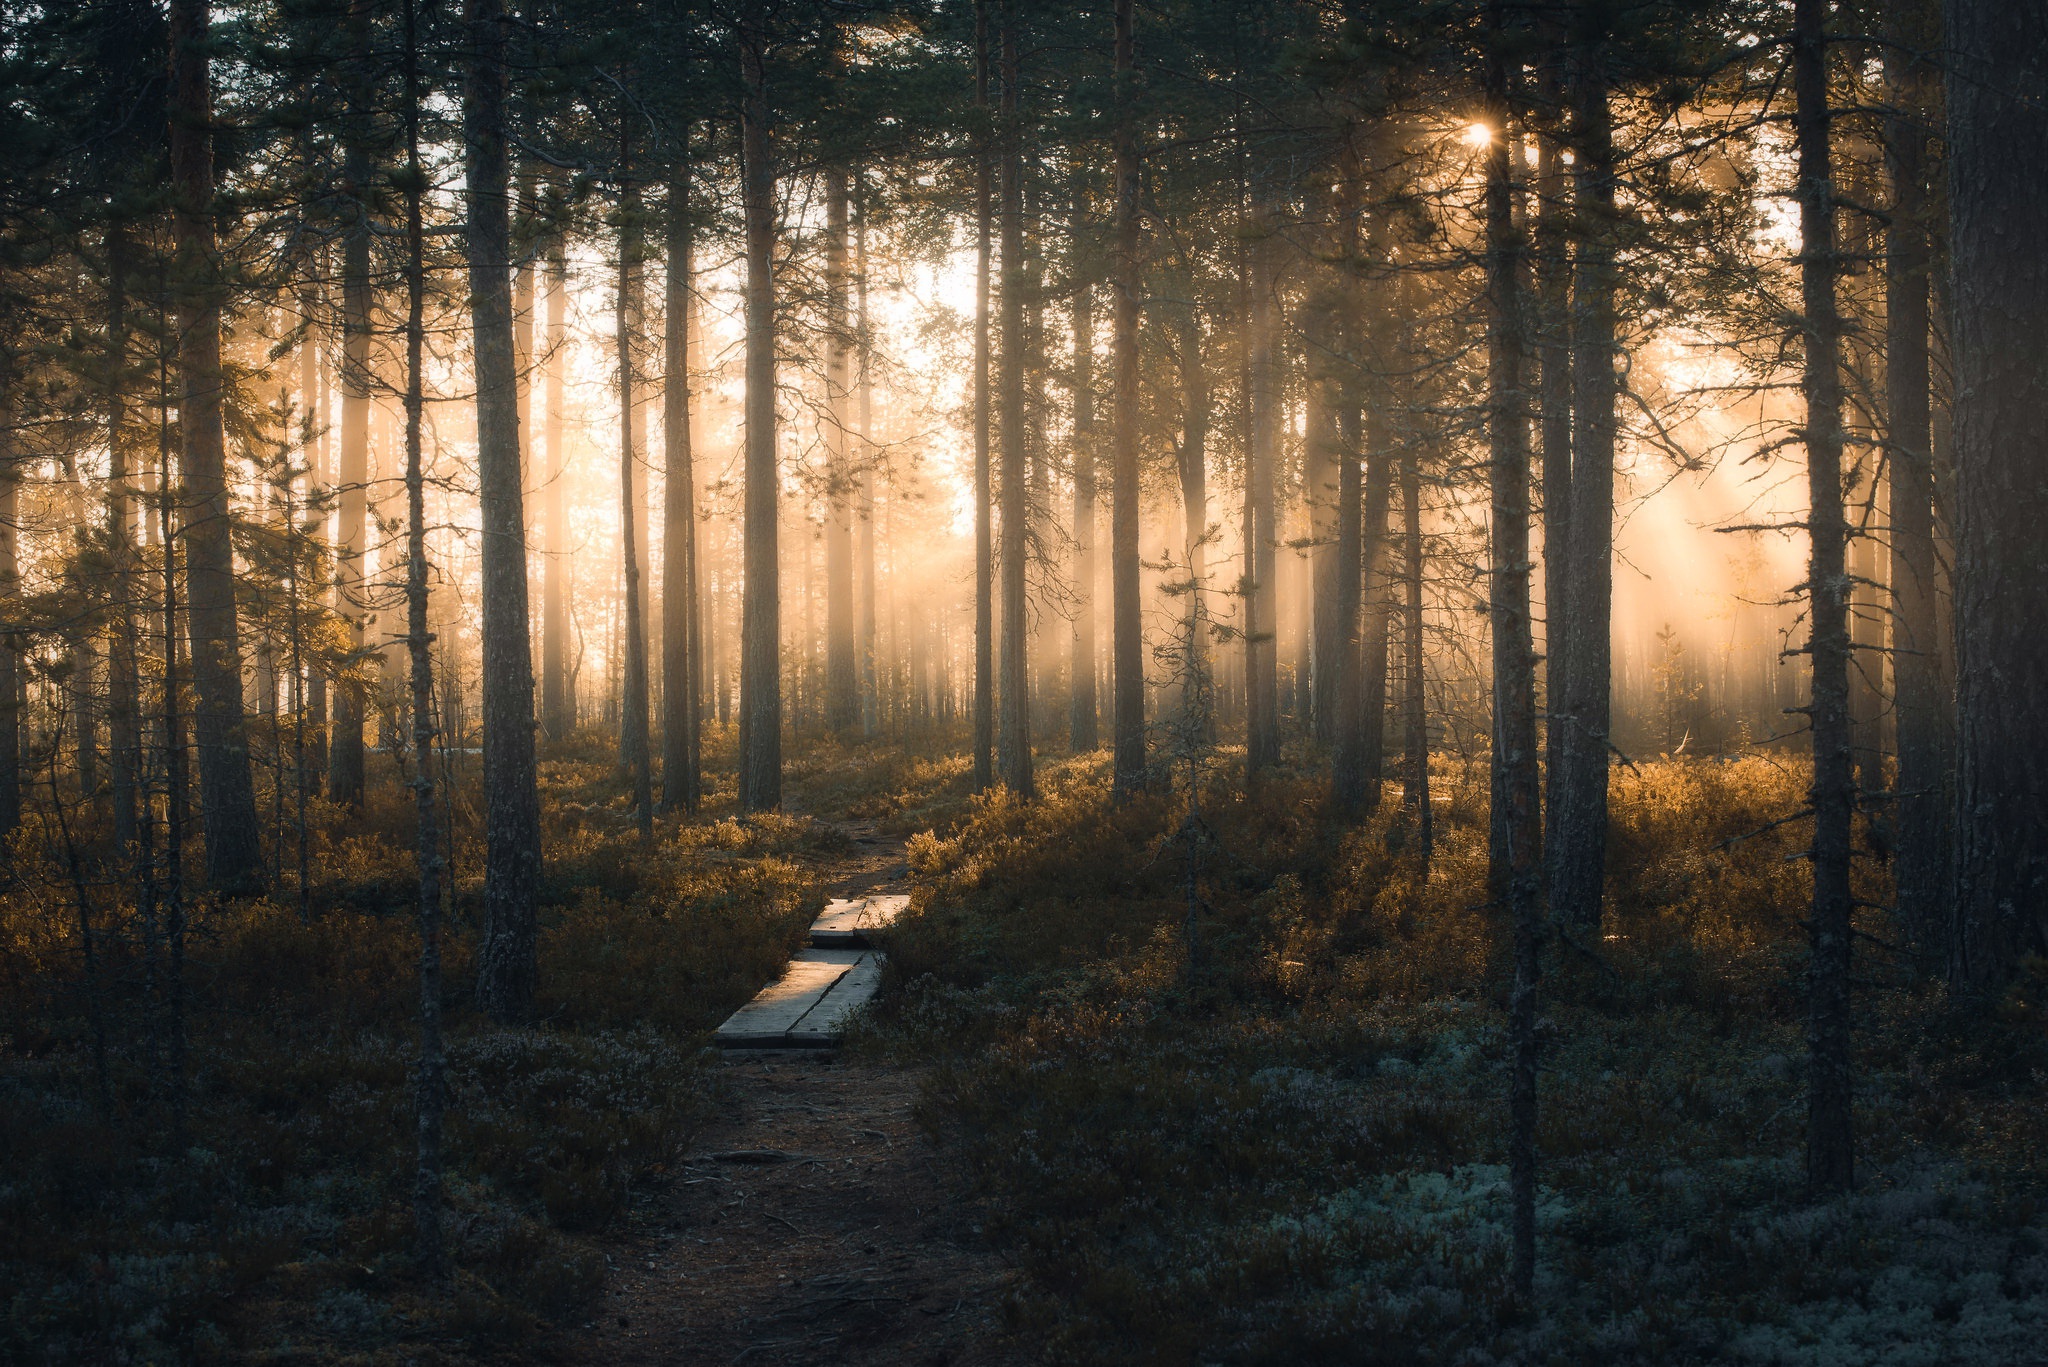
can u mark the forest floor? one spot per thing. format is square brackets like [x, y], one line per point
[815, 1222]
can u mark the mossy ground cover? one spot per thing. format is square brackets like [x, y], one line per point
[272, 1222]
[1293, 1151]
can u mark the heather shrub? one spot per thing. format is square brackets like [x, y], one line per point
[1291, 1150]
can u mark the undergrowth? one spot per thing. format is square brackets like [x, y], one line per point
[1292, 1150]
[266, 1215]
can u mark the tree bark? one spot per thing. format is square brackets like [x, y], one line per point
[345, 760]
[636, 750]
[1830, 1145]
[1262, 450]
[1553, 281]
[984, 547]
[1348, 779]
[10, 594]
[124, 732]
[1194, 497]
[506, 966]
[430, 1087]
[1415, 703]
[1514, 654]
[760, 778]
[1083, 730]
[1581, 713]
[864, 529]
[842, 675]
[234, 855]
[681, 640]
[558, 702]
[1127, 643]
[1921, 697]
[1376, 608]
[1998, 198]
[1013, 697]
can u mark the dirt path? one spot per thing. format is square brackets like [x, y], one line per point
[815, 1225]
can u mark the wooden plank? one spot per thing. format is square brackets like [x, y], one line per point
[767, 1020]
[847, 920]
[826, 1021]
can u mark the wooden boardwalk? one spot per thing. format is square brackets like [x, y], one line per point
[807, 1007]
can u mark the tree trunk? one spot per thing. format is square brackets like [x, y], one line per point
[1194, 497]
[1998, 196]
[1829, 1139]
[558, 703]
[234, 855]
[345, 762]
[429, 1080]
[1348, 779]
[636, 751]
[10, 594]
[1415, 702]
[1376, 609]
[1921, 699]
[1127, 645]
[984, 548]
[1013, 737]
[506, 967]
[1514, 654]
[1553, 282]
[124, 732]
[1262, 449]
[760, 778]
[842, 675]
[681, 639]
[1083, 731]
[864, 529]
[1331, 645]
[1581, 712]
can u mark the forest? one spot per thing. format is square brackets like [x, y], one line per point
[980, 682]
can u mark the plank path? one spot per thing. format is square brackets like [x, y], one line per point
[815, 1223]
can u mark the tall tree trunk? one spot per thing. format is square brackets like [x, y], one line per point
[1920, 862]
[1083, 730]
[864, 529]
[984, 548]
[124, 732]
[319, 481]
[345, 760]
[1830, 1145]
[1331, 638]
[1415, 702]
[1376, 608]
[558, 704]
[1127, 644]
[1514, 653]
[1998, 197]
[506, 967]
[842, 674]
[1348, 779]
[234, 855]
[1013, 738]
[429, 1082]
[10, 594]
[1262, 454]
[345, 742]
[1580, 716]
[636, 751]
[1194, 495]
[1553, 282]
[760, 778]
[681, 639]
